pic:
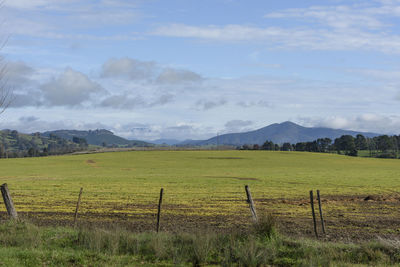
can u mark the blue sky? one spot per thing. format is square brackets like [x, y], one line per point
[191, 69]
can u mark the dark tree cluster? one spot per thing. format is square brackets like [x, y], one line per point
[383, 146]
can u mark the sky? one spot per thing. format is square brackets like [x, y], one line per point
[187, 69]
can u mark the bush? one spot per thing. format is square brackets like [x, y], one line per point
[265, 227]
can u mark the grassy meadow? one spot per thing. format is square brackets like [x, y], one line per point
[205, 189]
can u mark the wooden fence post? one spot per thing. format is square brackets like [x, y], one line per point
[251, 203]
[313, 213]
[159, 209]
[320, 212]
[77, 206]
[8, 202]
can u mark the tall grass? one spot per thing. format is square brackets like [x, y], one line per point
[22, 243]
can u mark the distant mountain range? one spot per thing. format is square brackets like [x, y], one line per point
[169, 142]
[278, 133]
[97, 137]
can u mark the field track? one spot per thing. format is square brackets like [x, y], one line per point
[205, 190]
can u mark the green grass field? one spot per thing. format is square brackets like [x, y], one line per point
[206, 188]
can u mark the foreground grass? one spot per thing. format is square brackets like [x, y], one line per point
[23, 244]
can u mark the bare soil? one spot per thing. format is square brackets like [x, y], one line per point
[347, 218]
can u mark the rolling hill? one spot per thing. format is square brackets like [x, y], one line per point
[278, 133]
[14, 144]
[98, 137]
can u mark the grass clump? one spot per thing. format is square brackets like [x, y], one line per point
[24, 244]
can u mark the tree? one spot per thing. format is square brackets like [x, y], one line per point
[396, 140]
[2, 150]
[323, 144]
[45, 152]
[371, 146]
[384, 143]
[256, 147]
[14, 134]
[245, 147]
[287, 147]
[311, 146]
[345, 143]
[80, 141]
[361, 142]
[268, 145]
[301, 146]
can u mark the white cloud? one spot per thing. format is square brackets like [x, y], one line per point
[28, 4]
[124, 101]
[17, 73]
[369, 122]
[32, 124]
[56, 19]
[128, 68]
[220, 33]
[235, 126]
[289, 38]
[385, 75]
[339, 17]
[330, 28]
[252, 104]
[21, 100]
[149, 71]
[210, 104]
[174, 76]
[71, 88]
[28, 119]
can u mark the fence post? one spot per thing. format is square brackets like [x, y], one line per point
[320, 212]
[8, 202]
[77, 206]
[251, 203]
[313, 213]
[159, 209]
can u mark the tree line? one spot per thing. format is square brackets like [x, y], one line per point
[16, 145]
[383, 146]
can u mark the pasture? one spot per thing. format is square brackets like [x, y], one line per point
[205, 190]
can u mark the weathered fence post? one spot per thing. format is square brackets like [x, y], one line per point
[77, 206]
[320, 212]
[159, 209]
[251, 203]
[313, 213]
[8, 202]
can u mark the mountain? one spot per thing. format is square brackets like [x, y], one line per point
[190, 142]
[97, 137]
[169, 142]
[278, 133]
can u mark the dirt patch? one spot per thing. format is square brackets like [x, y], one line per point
[136, 222]
[347, 218]
[335, 199]
[90, 161]
[225, 158]
[245, 179]
[233, 177]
